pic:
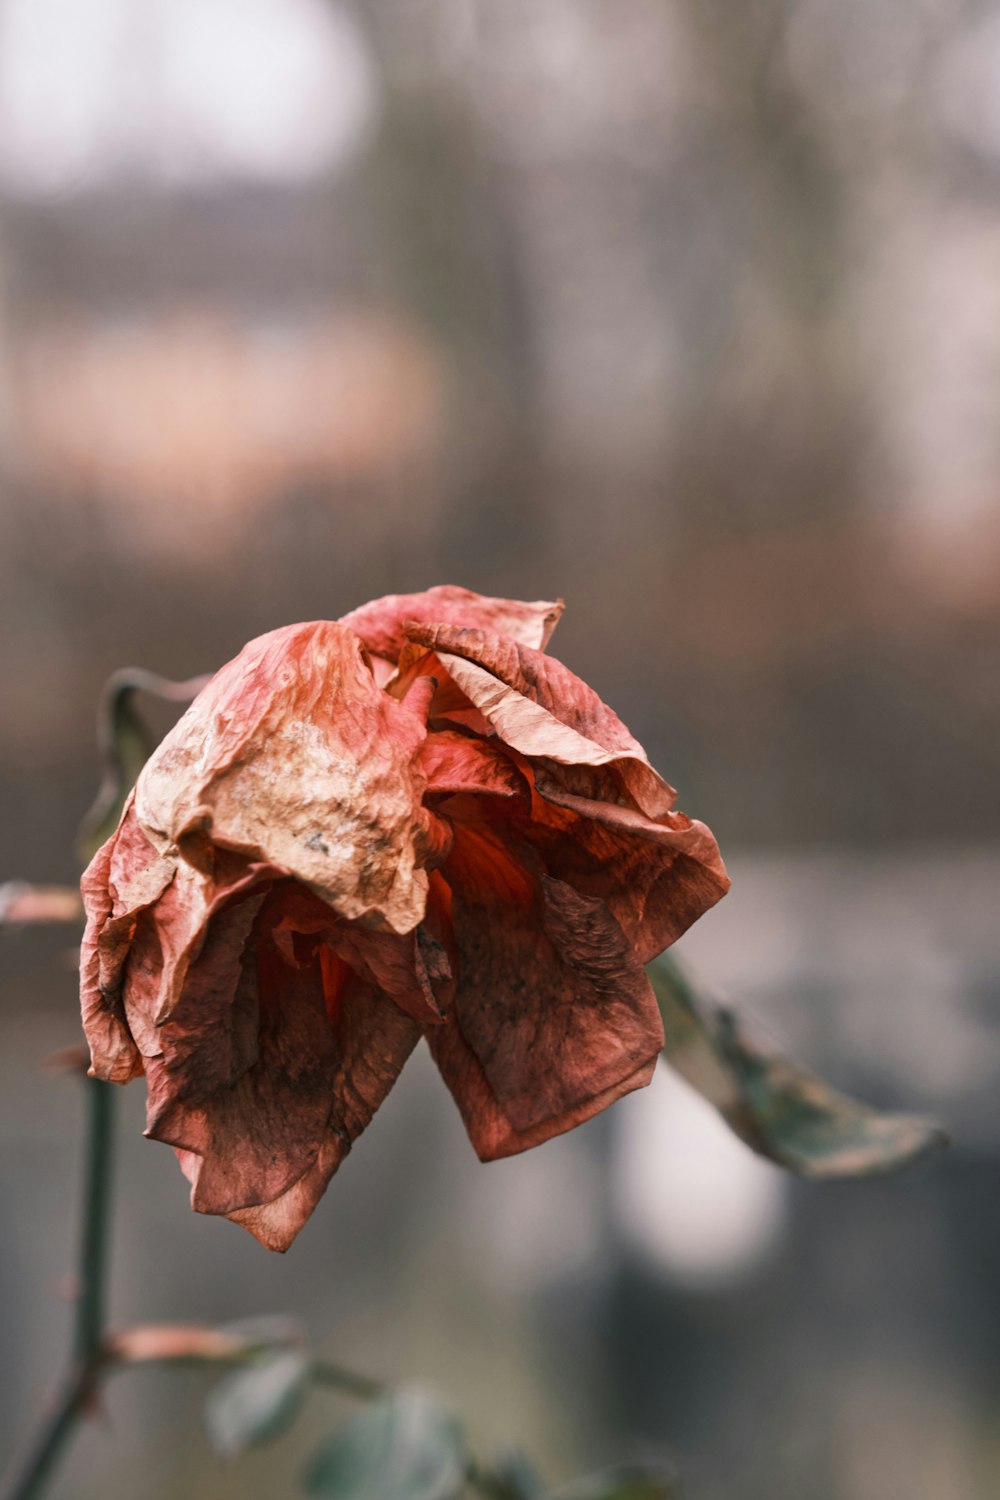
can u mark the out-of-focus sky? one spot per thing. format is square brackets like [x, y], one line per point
[690, 313]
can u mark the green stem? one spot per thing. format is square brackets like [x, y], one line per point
[94, 1355]
[335, 1378]
[96, 1220]
[28, 1476]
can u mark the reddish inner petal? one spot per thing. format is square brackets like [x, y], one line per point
[335, 975]
[455, 762]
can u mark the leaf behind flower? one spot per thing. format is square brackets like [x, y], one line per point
[779, 1108]
[125, 744]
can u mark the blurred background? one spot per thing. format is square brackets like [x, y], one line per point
[688, 312]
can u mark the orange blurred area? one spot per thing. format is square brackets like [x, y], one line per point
[182, 423]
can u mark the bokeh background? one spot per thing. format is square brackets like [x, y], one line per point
[689, 312]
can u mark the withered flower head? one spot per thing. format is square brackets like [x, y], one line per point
[411, 821]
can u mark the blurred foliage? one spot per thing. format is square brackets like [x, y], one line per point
[256, 1404]
[408, 1446]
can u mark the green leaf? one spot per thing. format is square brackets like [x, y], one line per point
[406, 1447]
[257, 1402]
[778, 1108]
[515, 1476]
[637, 1483]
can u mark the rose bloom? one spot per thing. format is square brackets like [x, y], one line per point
[409, 822]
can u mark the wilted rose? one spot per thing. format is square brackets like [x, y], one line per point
[407, 822]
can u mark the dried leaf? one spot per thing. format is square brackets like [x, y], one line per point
[777, 1107]
[144, 1342]
[149, 1342]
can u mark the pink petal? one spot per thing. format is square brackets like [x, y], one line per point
[380, 623]
[114, 1055]
[540, 708]
[454, 762]
[294, 757]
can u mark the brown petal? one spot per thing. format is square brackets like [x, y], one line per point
[256, 1133]
[276, 1224]
[208, 1039]
[490, 1131]
[293, 756]
[550, 999]
[540, 708]
[374, 1039]
[380, 623]
[270, 1064]
[138, 872]
[124, 879]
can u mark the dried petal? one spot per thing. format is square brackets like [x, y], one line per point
[380, 623]
[257, 1132]
[453, 762]
[292, 755]
[409, 821]
[540, 708]
[550, 1000]
[490, 1131]
[658, 876]
[410, 968]
[374, 1039]
[114, 1054]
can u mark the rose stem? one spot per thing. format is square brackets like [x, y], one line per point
[28, 1476]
